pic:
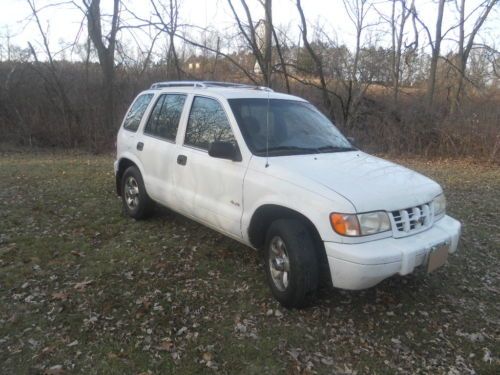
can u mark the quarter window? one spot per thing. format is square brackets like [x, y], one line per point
[207, 123]
[134, 115]
[164, 119]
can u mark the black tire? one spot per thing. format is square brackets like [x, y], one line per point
[302, 278]
[136, 204]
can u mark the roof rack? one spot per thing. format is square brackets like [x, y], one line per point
[159, 85]
[206, 84]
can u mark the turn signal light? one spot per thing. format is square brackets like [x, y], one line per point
[345, 224]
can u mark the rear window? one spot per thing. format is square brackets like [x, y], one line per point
[134, 115]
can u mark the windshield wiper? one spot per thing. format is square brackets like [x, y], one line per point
[305, 150]
[325, 149]
[294, 149]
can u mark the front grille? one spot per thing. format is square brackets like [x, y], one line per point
[412, 220]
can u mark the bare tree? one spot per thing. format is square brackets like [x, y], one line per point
[357, 11]
[53, 82]
[105, 46]
[163, 24]
[8, 45]
[325, 92]
[397, 23]
[283, 63]
[268, 39]
[168, 14]
[465, 44]
[262, 50]
[436, 51]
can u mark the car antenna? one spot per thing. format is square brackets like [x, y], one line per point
[267, 131]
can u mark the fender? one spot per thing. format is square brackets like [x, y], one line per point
[134, 159]
[317, 210]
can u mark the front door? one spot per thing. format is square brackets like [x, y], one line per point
[209, 189]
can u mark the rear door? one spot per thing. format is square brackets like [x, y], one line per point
[157, 146]
[207, 188]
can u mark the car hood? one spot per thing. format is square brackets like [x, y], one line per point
[368, 182]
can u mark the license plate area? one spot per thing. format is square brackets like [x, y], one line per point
[437, 256]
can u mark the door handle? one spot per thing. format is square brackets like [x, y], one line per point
[140, 146]
[182, 159]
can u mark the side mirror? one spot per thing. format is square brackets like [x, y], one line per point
[224, 150]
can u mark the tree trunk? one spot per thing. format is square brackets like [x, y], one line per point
[397, 44]
[106, 55]
[317, 62]
[268, 40]
[464, 50]
[436, 50]
[282, 61]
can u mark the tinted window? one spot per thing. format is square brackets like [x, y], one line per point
[207, 123]
[281, 127]
[164, 119]
[134, 115]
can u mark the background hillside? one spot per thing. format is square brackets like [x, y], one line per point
[405, 84]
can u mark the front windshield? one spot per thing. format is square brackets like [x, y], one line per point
[286, 127]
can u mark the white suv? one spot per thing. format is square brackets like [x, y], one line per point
[272, 172]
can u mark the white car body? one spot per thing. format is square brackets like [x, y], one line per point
[225, 194]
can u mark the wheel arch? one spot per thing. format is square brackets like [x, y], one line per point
[267, 213]
[123, 164]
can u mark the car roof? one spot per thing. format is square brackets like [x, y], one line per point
[221, 89]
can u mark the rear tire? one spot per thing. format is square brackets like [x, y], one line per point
[135, 199]
[290, 262]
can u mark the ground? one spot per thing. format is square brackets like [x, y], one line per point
[86, 290]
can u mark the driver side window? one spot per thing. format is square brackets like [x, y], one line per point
[207, 123]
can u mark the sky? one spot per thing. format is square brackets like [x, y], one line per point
[64, 22]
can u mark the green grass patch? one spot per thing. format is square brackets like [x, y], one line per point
[84, 287]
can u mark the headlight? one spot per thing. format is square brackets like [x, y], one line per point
[374, 222]
[439, 206]
[360, 224]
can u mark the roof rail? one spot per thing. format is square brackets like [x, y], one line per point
[235, 85]
[159, 85]
[205, 84]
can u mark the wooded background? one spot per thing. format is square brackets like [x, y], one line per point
[401, 93]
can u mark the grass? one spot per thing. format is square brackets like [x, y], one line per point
[84, 289]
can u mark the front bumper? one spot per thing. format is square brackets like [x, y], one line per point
[360, 266]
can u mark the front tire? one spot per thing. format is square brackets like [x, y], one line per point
[135, 199]
[290, 262]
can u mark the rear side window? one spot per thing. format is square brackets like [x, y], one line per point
[134, 115]
[207, 123]
[164, 119]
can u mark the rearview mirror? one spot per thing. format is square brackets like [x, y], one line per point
[224, 150]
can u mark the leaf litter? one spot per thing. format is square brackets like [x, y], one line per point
[85, 290]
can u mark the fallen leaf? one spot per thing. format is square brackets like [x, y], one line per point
[327, 361]
[487, 357]
[73, 343]
[166, 346]
[77, 253]
[182, 331]
[60, 296]
[54, 370]
[82, 285]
